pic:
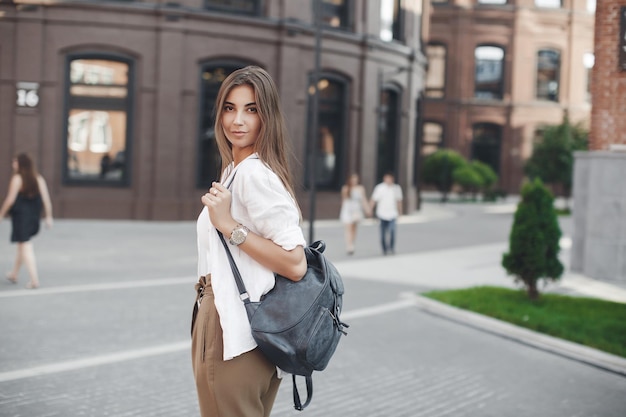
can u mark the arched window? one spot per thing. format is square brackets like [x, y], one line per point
[432, 137]
[436, 76]
[389, 129]
[489, 72]
[548, 69]
[390, 20]
[332, 130]
[212, 74]
[98, 119]
[486, 144]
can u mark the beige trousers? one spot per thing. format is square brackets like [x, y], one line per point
[245, 386]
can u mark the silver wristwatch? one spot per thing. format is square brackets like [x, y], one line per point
[238, 235]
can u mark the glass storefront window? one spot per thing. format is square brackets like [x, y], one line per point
[97, 120]
[211, 76]
[387, 152]
[332, 115]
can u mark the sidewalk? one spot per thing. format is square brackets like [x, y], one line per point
[480, 265]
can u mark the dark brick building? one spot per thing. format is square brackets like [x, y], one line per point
[114, 98]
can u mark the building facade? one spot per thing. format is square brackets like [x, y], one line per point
[501, 70]
[599, 243]
[114, 99]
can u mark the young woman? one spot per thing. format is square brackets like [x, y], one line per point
[27, 194]
[353, 207]
[254, 207]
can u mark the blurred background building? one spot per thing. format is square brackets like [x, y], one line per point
[114, 99]
[501, 70]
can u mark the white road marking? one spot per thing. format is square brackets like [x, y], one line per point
[100, 287]
[127, 355]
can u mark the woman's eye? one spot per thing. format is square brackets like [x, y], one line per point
[228, 108]
[252, 109]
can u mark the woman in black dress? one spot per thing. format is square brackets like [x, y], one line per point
[27, 196]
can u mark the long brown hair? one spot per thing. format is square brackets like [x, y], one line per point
[26, 170]
[273, 143]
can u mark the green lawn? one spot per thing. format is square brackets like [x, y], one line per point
[596, 323]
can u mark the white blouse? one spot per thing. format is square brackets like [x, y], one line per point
[260, 202]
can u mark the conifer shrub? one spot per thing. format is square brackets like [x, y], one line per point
[534, 239]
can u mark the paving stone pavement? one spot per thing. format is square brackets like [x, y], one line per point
[108, 335]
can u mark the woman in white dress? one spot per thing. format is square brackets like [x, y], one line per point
[354, 207]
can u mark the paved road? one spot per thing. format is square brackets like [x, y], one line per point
[107, 335]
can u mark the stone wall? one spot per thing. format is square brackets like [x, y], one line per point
[599, 246]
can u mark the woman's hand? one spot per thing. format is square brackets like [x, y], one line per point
[218, 201]
[49, 222]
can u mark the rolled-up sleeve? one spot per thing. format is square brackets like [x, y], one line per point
[270, 207]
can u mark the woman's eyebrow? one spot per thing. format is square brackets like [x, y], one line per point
[245, 105]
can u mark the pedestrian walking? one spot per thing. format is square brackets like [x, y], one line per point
[387, 198]
[354, 207]
[253, 206]
[27, 197]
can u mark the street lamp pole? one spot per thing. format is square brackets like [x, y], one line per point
[313, 130]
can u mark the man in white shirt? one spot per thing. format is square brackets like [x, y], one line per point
[387, 197]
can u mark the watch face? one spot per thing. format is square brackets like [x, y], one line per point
[238, 236]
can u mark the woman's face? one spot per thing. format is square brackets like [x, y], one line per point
[354, 180]
[241, 121]
[14, 165]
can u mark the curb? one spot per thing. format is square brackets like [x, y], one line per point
[570, 350]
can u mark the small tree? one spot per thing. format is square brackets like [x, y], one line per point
[468, 178]
[552, 159]
[487, 174]
[438, 169]
[534, 239]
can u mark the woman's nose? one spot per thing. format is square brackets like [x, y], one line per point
[238, 118]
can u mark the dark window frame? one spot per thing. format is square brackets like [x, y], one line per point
[340, 146]
[550, 97]
[345, 13]
[257, 5]
[499, 91]
[129, 107]
[495, 164]
[204, 179]
[392, 119]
